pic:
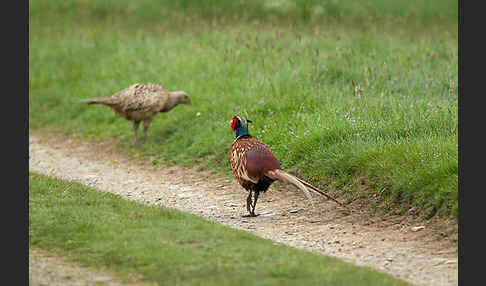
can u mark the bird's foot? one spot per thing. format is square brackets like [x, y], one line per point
[250, 215]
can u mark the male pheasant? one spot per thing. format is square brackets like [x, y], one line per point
[141, 102]
[256, 168]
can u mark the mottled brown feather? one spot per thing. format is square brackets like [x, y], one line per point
[141, 102]
[238, 159]
[256, 168]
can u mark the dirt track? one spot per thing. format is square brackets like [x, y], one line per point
[385, 242]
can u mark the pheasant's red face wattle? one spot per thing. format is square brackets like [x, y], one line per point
[233, 123]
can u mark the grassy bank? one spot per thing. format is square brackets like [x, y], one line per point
[170, 247]
[341, 103]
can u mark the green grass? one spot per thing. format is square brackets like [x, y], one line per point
[170, 247]
[337, 99]
[148, 12]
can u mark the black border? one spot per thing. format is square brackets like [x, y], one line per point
[16, 22]
[470, 256]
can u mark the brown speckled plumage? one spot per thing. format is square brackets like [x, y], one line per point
[256, 168]
[239, 151]
[141, 102]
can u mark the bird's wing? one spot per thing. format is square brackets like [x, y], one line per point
[142, 97]
[260, 159]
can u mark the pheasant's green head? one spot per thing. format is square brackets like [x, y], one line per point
[240, 126]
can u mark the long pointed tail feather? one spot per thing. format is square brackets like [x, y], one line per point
[283, 176]
[318, 191]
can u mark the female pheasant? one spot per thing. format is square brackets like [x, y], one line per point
[256, 168]
[141, 102]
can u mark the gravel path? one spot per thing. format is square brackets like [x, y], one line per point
[390, 243]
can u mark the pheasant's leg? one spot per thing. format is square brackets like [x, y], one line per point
[146, 124]
[135, 130]
[257, 193]
[248, 204]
